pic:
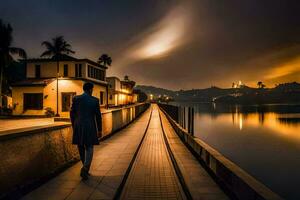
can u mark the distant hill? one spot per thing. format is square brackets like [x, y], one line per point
[282, 93]
[155, 90]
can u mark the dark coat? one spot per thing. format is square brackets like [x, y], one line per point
[86, 119]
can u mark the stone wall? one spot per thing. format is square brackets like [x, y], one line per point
[115, 119]
[31, 156]
[238, 182]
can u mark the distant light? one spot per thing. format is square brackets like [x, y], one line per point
[151, 96]
[241, 122]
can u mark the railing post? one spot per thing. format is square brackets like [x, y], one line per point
[189, 120]
[176, 112]
[192, 121]
[179, 115]
[183, 117]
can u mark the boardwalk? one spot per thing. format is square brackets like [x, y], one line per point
[151, 176]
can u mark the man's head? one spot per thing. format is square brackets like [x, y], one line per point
[88, 88]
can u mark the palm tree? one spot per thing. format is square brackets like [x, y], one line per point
[6, 51]
[105, 60]
[56, 50]
[261, 85]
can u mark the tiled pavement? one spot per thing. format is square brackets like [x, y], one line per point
[110, 162]
[200, 184]
[152, 175]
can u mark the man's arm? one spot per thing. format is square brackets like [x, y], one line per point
[98, 118]
[73, 111]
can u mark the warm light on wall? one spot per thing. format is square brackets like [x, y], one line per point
[122, 98]
[124, 90]
[64, 83]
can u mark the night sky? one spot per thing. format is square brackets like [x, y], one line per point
[167, 43]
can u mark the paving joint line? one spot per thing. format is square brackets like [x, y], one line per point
[174, 162]
[121, 186]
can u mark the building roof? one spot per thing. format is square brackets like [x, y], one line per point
[128, 82]
[63, 58]
[45, 81]
[112, 77]
[34, 82]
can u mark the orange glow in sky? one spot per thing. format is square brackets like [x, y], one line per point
[284, 69]
[164, 36]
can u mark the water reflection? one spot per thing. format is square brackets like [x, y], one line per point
[281, 119]
[289, 121]
[263, 140]
[287, 125]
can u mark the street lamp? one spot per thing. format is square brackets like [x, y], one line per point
[57, 115]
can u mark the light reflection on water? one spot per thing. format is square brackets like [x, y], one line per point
[263, 140]
[285, 125]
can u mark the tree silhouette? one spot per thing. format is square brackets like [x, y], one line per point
[261, 85]
[6, 51]
[56, 49]
[105, 60]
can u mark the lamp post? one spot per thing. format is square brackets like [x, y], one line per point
[57, 75]
[107, 96]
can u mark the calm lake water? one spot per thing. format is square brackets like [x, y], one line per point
[262, 140]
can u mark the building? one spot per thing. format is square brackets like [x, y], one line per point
[120, 92]
[37, 93]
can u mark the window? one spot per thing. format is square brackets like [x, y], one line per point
[66, 100]
[66, 70]
[33, 101]
[101, 98]
[110, 97]
[78, 70]
[96, 73]
[37, 71]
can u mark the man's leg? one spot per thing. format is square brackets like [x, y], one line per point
[81, 150]
[89, 150]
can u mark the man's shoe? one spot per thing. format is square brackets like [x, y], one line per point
[84, 174]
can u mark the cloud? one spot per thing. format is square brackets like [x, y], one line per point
[284, 69]
[162, 38]
[165, 36]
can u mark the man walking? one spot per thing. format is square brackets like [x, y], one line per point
[87, 123]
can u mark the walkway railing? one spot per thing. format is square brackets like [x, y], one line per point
[183, 115]
[237, 182]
